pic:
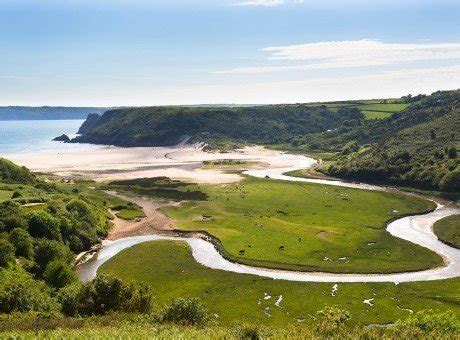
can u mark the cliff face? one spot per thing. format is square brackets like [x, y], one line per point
[89, 123]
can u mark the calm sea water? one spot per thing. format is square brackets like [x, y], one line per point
[32, 136]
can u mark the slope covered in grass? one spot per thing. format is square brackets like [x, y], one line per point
[152, 126]
[12, 173]
[424, 156]
[237, 298]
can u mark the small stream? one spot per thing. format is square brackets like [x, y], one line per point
[415, 229]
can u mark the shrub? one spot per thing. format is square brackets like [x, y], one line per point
[450, 182]
[428, 321]
[22, 242]
[59, 274]
[186, 311]
[105, 294]
[82, 211]
[250, 333]
[42, 224]
[47, 251]
[19, 292]
[16, 194]
[332, 320]
[6, 253]
[12, 222]
[12, 173]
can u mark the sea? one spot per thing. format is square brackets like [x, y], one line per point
[22, 137]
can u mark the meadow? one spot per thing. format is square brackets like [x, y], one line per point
[306, 227]
[448, 231]
[232, 298]
[381, 110]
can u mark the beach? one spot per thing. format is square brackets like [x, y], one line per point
[181, 162]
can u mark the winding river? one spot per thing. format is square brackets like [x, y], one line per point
[416, 229]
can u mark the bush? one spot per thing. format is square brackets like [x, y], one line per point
[332, 320]
[12, 173]
[429, 321]
[450, 182]
[59, 274]
[42, 224]
[83, 213]
[16, 194]
[105, 294]
[12, 222]
[185, 311]
[6, 253]
[47, 251]
[19, 292]
[22, 242]
[250, 333]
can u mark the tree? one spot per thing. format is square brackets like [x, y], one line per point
[19, 292]
[15, 221]
[105, 294]
[43, 225]
[22, 242]
[59, 274]
[6, 253]
[47, 251]
[450, 182]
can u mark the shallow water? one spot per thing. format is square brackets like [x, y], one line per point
[416, 229]
[32, 136]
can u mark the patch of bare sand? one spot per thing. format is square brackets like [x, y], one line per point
[153, 222]
[181, 162]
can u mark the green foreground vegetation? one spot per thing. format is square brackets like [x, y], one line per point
[447, 230]
[239, 297]
[332, 323]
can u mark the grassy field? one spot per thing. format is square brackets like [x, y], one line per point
[376, 114]
[384, 107]
[308, 227]
[380, 111]
[170, 269]
[130, 214]
[448, 230]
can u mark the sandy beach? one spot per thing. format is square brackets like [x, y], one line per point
[182, 162]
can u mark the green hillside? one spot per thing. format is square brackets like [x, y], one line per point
[151, 126]
[12, 173]
[417, 147]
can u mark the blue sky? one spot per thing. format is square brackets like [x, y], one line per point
[139, 52]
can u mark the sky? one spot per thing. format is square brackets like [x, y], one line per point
[163, 52]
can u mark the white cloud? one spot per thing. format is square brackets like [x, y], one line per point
[346, 54]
